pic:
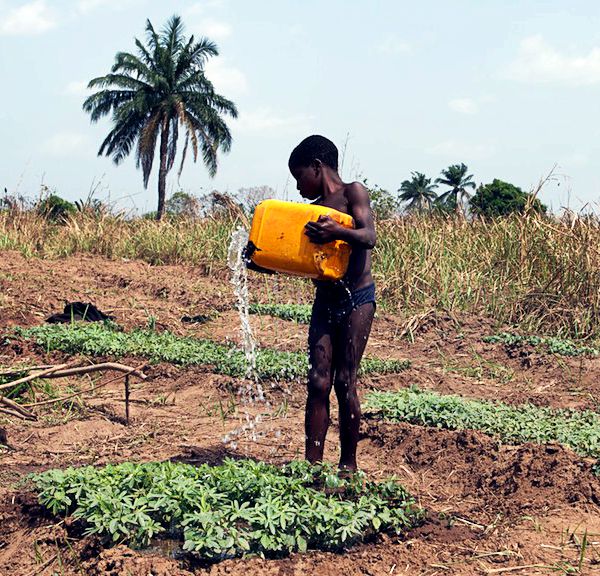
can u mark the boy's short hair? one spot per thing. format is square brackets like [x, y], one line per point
[314, 148]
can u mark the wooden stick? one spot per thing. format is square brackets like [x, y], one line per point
[127, 398]
[14, 406]
[36, 375]
[95, 368]
[11, 413]
[25, 369]
[90, 389]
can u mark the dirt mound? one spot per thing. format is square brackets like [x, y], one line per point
[122, 560]
[511, 480]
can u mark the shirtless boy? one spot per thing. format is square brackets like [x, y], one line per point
[342, 311]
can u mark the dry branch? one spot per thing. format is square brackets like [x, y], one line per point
[60, 371]
[11, 413]
[41, 374]
[134, 371]
[98, 367]
[25, 369]
[15, 407]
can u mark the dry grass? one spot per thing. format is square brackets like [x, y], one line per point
[540, 272]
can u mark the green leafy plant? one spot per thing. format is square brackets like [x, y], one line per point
[560, 346]
[502, 198]
[228, 510]
[299, 313]
[578, 429]
[55, 208]
[105, 339]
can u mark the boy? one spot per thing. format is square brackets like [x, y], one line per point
[342, 311]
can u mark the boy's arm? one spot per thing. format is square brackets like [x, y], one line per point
[326, 229]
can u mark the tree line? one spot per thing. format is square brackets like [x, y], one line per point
[419, 195]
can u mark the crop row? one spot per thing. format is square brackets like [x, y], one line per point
[220, 511]
[560, 346]
[98, 339]
[578, 429]
[299, 313]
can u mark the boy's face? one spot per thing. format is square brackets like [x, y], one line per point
[308, 180]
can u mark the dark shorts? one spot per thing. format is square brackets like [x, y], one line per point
[336, 302]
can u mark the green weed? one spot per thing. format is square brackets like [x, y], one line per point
[228, 510]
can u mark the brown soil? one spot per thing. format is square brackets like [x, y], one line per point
[492, 508]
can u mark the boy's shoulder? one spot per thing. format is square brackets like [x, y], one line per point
[356, 192]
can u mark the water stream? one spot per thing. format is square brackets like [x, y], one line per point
[253, 391]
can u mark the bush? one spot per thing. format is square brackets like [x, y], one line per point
[183, 205]
[383, 203]
[55, 208]
[501, 199]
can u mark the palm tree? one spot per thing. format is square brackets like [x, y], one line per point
[419, 192]
[456, 177]
[154, 93]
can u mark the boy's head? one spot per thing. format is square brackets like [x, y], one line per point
[307, 162]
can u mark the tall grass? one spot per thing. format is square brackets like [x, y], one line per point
[541, 272]
[171, 241]
[528, 269]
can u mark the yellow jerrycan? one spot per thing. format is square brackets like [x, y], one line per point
[280, 244]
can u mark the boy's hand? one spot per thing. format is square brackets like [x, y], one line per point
[324, 230]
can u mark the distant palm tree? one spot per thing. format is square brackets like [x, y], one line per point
[456, 177]
[151, 95]
[418, 192]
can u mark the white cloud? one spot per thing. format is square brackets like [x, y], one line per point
[265, 119]
[392, 45]
[228, 80]
[203, 25]
[461, 151]
[213, 29]
[76, 88]
[539, 63]
[67, 144]
[28, 19]
[200, 8]
[463, 105]
[86, 6]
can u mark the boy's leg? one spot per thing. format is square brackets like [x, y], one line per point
[319, 385]
[349, 345]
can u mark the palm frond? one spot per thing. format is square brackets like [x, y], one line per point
[147, 146]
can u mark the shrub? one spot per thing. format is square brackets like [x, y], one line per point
[501, 199]
[55, 208]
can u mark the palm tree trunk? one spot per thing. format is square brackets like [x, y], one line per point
[162, 172]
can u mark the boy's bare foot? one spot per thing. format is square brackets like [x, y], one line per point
[346, 471]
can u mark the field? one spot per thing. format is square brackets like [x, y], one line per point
[496, 502]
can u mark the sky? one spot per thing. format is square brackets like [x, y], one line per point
[509, 87]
